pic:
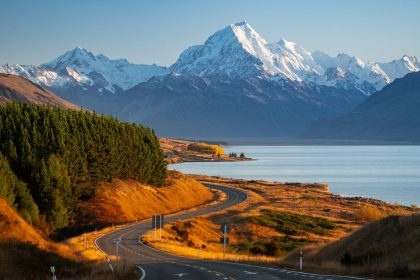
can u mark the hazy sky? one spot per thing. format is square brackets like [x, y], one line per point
[157, 31]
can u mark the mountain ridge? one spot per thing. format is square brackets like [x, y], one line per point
[237, 51]
[391, 114]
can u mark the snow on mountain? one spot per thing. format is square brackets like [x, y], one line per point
[118, 72]
[367, 77]
[82, 68]
[238, 51]
[35, 74]
[399, 68]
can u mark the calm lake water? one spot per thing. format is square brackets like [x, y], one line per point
[389, 173]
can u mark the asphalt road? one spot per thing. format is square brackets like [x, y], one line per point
[158, 265]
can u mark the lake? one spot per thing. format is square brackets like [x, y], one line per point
[389, 173]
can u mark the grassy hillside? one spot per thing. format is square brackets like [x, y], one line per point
[19, 89]
[24, 251]
[62, 155]
[123, 201]
[387, 247]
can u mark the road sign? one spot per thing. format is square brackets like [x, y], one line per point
[116, 240]
[158, 221]
[225, 228]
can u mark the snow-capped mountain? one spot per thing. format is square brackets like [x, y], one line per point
[399, 68]
[238, 51]
[85, 67]
[79, 67]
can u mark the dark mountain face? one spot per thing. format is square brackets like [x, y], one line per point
[391, 114]
[191, 106]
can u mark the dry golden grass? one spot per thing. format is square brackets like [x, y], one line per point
[387, 247]
[13, 228]
[202, 242]
[128, 200]
[369, 213]
[302, 199]
[26, 253]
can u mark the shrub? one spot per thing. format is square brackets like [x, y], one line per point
[292, 224]
[206, 148]
[369, 213]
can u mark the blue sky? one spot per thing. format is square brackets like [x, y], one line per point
[157, 31]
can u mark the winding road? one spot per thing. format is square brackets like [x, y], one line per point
[158, 265]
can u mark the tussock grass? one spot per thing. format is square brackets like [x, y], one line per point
[127, 200]
[388, 247]
[26, 253]
[369, 213]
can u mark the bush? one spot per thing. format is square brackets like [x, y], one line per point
[292, 224]
[206, 148]
[369, 213]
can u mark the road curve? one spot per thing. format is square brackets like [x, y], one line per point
[154, 264]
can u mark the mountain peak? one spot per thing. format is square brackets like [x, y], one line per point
[242, 23]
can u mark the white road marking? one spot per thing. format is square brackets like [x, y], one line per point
[250, 272]
[181, 274]
[142, 271]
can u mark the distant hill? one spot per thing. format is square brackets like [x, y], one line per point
[16, 88]
[388, 247]
[392, 114]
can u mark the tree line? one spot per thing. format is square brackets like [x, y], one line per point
[58, 156]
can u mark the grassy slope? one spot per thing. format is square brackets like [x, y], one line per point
[24, 251]
[128, 200]
[120, 201]
[389, 247]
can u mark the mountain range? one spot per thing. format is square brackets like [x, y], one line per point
[392, 114]
[235, 83]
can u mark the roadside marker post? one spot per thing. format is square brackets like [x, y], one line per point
[157, 223]
[301, 260]
[154, 224]
[117, 242]
[225, 229]
[52, 269]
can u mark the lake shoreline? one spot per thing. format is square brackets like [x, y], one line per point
[387, 173]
